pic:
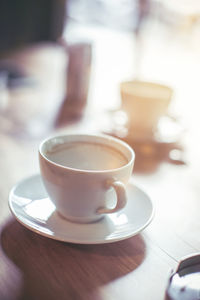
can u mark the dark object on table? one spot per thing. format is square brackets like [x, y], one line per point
[184, 283]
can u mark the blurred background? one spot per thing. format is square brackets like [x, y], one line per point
[62, 63]
[108, 66]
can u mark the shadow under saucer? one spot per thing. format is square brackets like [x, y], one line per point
[56, 270]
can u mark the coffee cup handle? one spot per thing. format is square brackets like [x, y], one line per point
[121, 198]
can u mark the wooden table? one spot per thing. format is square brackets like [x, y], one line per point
[35, 267]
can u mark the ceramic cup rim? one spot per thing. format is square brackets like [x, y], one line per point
[103, 136]
[142, 83]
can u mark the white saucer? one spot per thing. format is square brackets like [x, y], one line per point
[31, 206]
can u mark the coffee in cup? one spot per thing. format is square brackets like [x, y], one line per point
[87, 156]
[80, 171]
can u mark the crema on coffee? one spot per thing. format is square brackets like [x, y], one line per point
[86, 156]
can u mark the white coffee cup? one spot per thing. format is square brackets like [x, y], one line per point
[145, 103]
[81, 172]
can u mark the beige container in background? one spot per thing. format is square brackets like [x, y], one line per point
[144, 103]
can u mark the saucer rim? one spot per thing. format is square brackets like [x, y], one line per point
[76, 241]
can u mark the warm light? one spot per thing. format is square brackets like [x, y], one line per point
[40, 209]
